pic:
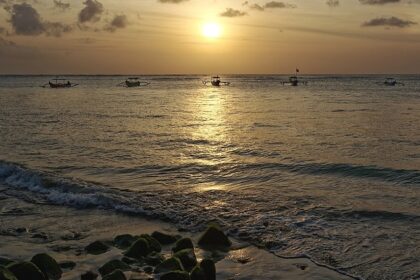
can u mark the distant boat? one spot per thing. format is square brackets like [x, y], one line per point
[133, 82]
[391, 82]
[59, 83]
[216, 82]
[294, 80]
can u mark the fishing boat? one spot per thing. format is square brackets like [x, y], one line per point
[133, 82]
[216, 82]
[391, 82]
[59, 83]
[294, 80]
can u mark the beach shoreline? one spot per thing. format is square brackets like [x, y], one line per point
[28, 229]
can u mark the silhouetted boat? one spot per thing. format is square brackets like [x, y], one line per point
[294, 81]
[59, 83]
[133, 82]
[392, 82]
[216, 82]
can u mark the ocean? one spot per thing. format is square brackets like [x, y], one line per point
[329, 170]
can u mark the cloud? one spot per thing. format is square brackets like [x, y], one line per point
[272, 5]
[61, 5]
[26, 20]
[172, 1]
[378, 2]
[118, 22]
[91, 12]
[389, 22]
[232, 13]
[333, 3]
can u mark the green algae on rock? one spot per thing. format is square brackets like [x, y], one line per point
[175, 275]
[6, 274]
[164, 238]
[187, 258]
[48, 266]
[214, 238]
[116, 275]
[169, 265]
[26, 271]
[139, 249]
[183, 243]
[96, 248]
[112, 265]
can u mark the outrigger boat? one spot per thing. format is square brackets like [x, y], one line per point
[294, 81]
[216, 82]
[133, 82]
[392, 82]
[59, 83]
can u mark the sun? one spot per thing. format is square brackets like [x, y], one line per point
[211, 30]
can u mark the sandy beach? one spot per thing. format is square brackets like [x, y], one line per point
[27, 229]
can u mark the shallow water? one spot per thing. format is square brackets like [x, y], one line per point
[330, 170]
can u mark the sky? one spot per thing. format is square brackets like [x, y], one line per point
[246, 37]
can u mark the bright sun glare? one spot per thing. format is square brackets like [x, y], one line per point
[211, 30]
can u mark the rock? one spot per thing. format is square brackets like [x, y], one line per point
[40, 236]
[96, 248]
[139, 249]
[175, 275]
[197, 274]
[26, 271]
[67, 265]
[163, 238]
[124, 241]
[21, 230]
[116, 275]
[169, 265]
[153, 243]
[89, 276]
[148, 269]
[5, 261]
[154, 259]
[48, 266]
[113, 265]
[129, 261]
[184, 243]
[209, 269]
[6, 274]
[214, 238]
[187, 258]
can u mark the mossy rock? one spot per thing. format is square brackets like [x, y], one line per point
[139, 249]
[48, 266]
[6, 274]
[67, 265]
[5, 261]
[175, 275]
[124, 241]
[209, 269]
[116, 275]
[184, 243]
[89, 276]
[214, 239]
[154, 259]
[26, 271]
[96, 248]
[164, 238]
[187, 258]
[112, 265]
[153, 243]
[197, 274]
[169, 265]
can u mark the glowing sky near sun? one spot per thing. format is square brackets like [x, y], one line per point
[208, 36]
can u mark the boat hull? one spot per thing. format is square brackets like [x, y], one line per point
[132, 84]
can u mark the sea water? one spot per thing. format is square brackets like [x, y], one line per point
[328, 170]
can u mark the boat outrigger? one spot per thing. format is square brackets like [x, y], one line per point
[59, 83]
[294, 81]
[216, 82]
[133, 82]
[392, 82]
